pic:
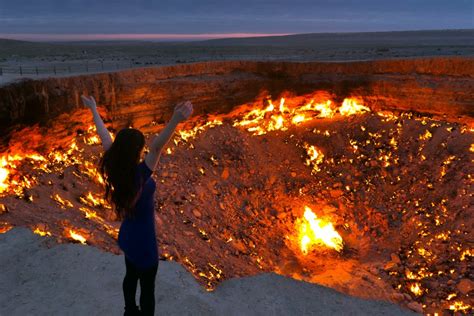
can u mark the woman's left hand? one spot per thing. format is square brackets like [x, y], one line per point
[183, 111]
[89, 102]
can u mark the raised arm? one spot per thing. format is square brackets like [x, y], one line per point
[181, 112]
[99, 124]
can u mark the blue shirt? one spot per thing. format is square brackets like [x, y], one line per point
[137, 236]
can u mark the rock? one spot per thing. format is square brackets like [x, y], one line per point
[398, 297]
[239, 245]
[328, 209]
[3, 208]
[395, 258]
[281, 215]
[225, 173]
[197, 213]
[432, 285]
[373, 163]
[390, 266]
[374, 270]
[417, 307]
[272, 179]
[335, 193]
[293, 174]
[465, 286]
[159, 221]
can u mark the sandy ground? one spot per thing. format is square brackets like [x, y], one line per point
[40, 277]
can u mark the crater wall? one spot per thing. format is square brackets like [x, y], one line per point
[439, 86]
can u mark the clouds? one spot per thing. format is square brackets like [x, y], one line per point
[210, 16]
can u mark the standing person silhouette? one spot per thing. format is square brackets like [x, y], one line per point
[130, 189]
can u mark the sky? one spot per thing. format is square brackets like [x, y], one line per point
[201, 19]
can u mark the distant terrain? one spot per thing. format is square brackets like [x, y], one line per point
[65, 58]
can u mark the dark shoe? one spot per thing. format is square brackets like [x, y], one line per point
[133, 311]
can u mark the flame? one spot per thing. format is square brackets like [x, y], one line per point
[92, 138]
[416, 289]
[189, 134]
[62, 202]
[315, 231]
[351, 106]
[8, 171]
[91, 171]
[92, 200]
[41, 232]
[77, 236]
[271, 118]
[459, 306]
[315, 157]
[3, 174]
[5, 227]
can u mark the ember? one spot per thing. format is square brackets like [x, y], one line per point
[390, 196]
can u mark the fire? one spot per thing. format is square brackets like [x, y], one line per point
[90, 169]
[41, 232]
[5, 227]
[92, 139]
[189, 134]
[351, 106]
[272, 118]
[77, 236]
[62, 202]
[416, 289]
[315, 157]
[3, 174]
[92, 200]
[8, 165]
[459, 306]
[315, 231]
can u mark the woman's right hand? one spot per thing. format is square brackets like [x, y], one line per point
[183, 111]
[89, 102]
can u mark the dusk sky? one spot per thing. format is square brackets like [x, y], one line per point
[171, 19]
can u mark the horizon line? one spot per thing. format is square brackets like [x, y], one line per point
[131, 36]
[45, 37]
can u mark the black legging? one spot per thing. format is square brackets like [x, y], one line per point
[147, 289]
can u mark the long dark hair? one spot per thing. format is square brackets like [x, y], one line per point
[118, 168]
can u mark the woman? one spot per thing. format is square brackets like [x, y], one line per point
[130, 188]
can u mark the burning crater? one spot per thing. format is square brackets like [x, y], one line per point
[358, 191]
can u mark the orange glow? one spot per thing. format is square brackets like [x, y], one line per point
[5, 227]
[291, 111]
[315, 157]
[3, 174]
[416, 289]
[352, 106]
[41, 232]
[77, 237]
[314, 231]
